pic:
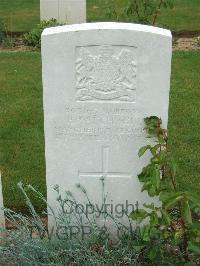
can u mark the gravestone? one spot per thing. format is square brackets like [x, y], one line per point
[64, 11]
[2, 220]
[100, 80]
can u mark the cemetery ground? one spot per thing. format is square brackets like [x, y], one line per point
[22, 140]
[23, 15]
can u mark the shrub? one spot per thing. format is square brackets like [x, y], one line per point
[9, 42]
[33, 38]
[147, 11]
[2, 30]
[31, 243]
[138, 11]
[176, 223]
[6, 40]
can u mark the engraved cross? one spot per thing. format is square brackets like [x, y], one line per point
[104, 173]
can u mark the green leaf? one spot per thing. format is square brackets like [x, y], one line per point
[152, 192]
[152, 124]
[194, 198]
[144, 175]
[150, 189]
[154, 149]
[170, 199]
[151, 177]
[143, 150]
[186, 212]
[190, 263]
[194, 248]
[166, 217]
[145, 232]
[139, 215]
[162, 157]
[166, 185]
[153, 219]
[179, 235]
[155, 177]
[161, 139]
[196, 226]
[153, 253]
[149, 206]
[138, 248]
[152, 121]
[146, 187]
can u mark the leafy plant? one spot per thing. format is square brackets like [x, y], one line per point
[112, 11]
[2, 30]
[147, 11]
[197, 41]
[5, 39]
[174, 41]
[30, 242]
[9, 42]
[176, 222]
[33, 38]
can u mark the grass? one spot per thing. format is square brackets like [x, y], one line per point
[184, 122]
[183, 17]
[20, 15]
[23, 15]
[21, 122]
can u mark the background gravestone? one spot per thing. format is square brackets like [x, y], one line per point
[64, 11]
[100, 80]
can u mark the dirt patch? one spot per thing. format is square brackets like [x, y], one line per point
[19, 47]
[179, 44]
[185, 34]
[185, 44]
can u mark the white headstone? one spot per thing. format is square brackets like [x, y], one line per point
[64, 11]
[2, 220]
[100, 80]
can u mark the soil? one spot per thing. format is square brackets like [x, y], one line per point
[19, 47]
[179, 44]
[185, 44]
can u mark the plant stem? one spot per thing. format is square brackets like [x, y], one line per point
[185, 240]
[172, 178]
[137, 9]
[157, 11]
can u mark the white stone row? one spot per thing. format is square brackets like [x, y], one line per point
[64, 11]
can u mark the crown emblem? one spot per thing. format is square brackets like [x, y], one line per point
[107, 76]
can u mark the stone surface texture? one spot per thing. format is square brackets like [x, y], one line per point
[100, 80]
[65, 11]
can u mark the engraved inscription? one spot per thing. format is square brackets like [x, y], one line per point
[106, 73]
[109, 123]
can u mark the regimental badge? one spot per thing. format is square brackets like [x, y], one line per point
[108, 76]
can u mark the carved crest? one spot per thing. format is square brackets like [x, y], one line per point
[107, 76]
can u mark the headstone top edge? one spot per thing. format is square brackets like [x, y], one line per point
[107, 26]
